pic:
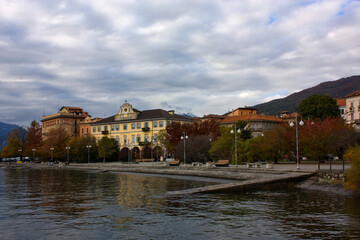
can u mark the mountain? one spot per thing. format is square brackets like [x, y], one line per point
[5, 129]
[188, 115]
[335, 89]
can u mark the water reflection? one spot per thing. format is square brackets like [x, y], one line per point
[55, 203]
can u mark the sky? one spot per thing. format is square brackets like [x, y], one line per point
[197, 56]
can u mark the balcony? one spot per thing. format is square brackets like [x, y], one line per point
[145, 129]
[146, 143]
[105, 132]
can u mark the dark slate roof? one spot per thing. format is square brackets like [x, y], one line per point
[145, 115]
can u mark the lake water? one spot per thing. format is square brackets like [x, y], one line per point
[69, 204]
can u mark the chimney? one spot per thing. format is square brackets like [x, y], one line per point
[171, 112]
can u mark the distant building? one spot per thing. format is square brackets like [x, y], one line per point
[242, 111]
[135, 130]
[341, 103]
[352, 109]
[85, 128]
[256, 122]
[68, 118]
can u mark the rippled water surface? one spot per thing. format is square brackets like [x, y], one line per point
[68, 204]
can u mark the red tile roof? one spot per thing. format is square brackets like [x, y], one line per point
[340, 102]
[356, 93]
[253, 117]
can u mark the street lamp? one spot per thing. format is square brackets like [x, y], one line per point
[52, 152]
[20, 151]
[184, 137]
[297, 141]
[88, 148]
[232, 132]
[68, 148]
[33, 150]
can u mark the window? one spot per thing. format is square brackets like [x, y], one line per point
[138, 138]
[87, 130]
[168, 123]
[352, 117]
[125, 126]
[94, 129]
[146, 138]
[125, 139]
[112, 128]
[99, 128]
[99, 140]
[133, 126]
[117, 127]
[155, 124]
[161, 124]
[138, 125]
[118, 139]
[146, 124]
[132, 138]
[105, 128]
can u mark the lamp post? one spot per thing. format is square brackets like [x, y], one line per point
[33, 150]
[88, 148]
[68, 149]
[232, 132]
[184, 137]
[52, 153]
[20, 151]
[297, 141]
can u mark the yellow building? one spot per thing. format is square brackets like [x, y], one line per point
[136, 130]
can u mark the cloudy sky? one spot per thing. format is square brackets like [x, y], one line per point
[198, 56]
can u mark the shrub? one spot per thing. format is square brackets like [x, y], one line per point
[353, 175]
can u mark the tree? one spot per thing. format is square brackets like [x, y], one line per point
[107, 147]
[34, 138]
[221, 148]
[59, 140]
[175, 130]
[79, 151]
[15, 139]
[353, 175]
[318, 107]
[197, 148]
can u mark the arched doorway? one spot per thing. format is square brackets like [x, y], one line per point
[146, 152]
[135, 153]
[124, 154]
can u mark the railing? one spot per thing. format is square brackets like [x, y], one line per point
[146, 129]
[105, 132]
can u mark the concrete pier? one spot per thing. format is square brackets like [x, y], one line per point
[247, 184]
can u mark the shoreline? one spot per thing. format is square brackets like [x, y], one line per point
[316, 181]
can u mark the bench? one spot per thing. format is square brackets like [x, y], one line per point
[251, 165]
[174, 163]
[222, 163]
[144, 160]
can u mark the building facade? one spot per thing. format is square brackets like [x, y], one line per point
[352, 109]
[68, 118]
[256, 122]
[135, 130]
[85, 128]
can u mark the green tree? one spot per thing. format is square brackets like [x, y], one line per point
[16, 139]
[222, 147]
[318, 107]
[79, 151]
[107, 147]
